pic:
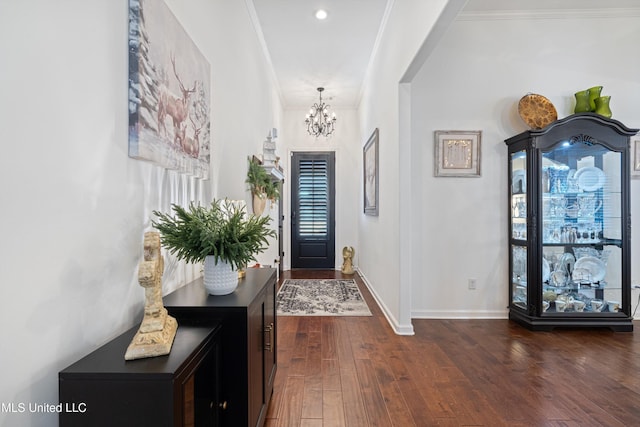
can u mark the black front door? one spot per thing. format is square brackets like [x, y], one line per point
[313, 210]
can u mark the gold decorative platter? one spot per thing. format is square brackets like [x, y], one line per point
[537, 111]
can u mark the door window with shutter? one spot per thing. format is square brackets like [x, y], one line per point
[312, 213]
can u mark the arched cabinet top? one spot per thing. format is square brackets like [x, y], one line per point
[588, 128]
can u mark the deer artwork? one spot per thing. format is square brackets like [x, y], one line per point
[176, 108]
[191, 146]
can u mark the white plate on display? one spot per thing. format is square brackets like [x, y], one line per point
[580, 275]
[519, 181]
[590, 178]
[593, 265]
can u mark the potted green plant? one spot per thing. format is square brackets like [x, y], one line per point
[272, 192]
[222, 235]
[261, 186]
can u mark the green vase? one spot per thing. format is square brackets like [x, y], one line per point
[582, 102]
[602, 106]
[594, 92]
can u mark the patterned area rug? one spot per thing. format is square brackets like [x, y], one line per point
[321, 297]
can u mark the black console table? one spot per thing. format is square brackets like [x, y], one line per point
[248, 340]
[179, 389]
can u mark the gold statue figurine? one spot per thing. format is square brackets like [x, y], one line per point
[347, 255]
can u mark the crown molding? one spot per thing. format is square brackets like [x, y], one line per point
[255, 22]
[497, 15]
[374, 51]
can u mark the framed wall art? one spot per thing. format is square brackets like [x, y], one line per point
[371, 174]
[457, 153]
[635, 158]
[169, 91]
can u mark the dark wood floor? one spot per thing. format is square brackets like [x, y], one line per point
[354, 371]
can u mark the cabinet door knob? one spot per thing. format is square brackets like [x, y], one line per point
[221, 405]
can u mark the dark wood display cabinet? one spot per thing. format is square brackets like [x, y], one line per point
[177, 390]
[248, 340]
[570, 225]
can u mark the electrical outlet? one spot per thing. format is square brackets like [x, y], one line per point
[472, 284]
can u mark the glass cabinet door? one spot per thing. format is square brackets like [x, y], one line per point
[581, 229]
[519, 291]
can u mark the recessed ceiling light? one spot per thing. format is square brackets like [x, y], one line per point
[321, 14]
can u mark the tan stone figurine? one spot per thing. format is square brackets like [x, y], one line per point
[158, 329]
[347, 255]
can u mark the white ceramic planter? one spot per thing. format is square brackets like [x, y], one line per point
[219, 279]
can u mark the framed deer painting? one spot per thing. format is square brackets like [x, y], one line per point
[169, 92]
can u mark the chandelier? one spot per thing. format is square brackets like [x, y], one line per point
[318, 121]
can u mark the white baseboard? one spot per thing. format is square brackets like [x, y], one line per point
[460, 314]
[395, 325]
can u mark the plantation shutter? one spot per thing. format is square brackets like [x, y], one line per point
[313, 214]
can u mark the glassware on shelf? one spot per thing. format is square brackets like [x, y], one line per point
[519, 181]
[568, 235]
[519, 230]
[558, 180]
[582, 252]
[552, 231]
[519, 207]
[519, 264]
[572, 182]
[589, 232]
[554, 206]
[558, 279]
[572, 210]
[588, 205]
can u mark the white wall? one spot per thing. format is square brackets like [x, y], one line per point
[245, 100]
[381, 255]
[74, 205]
[473, 81]
[345, 142]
